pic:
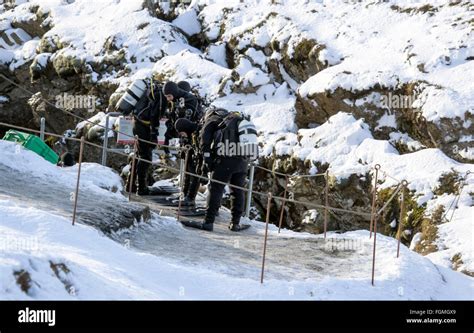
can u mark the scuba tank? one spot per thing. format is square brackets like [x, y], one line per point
[247, 132]
[132, 95]
[248, 138]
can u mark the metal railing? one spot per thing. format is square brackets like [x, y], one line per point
[373, 216]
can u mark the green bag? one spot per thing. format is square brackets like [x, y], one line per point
[33, 143]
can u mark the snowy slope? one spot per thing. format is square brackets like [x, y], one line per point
[129, 266]
[102, 180]
[92, 32]
[456, 239]
[389, 52]
[348, 145]
[361, 53]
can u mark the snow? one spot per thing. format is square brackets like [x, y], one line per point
[311, 216]
[467, 153]
[84, 28]
[272, 111]
[193, 67]
[284, 144]
[163, 182]
[251, 76]
[393, 224]
[216, 53]
[348, 145]
[188, 22]
[94, 177]
[387, 120]
[437, 103]
[415, 240]
[326, 144]
[258, 57]
[125, 23]
[388, 53]
[466, 138]
[456, 237]
[42, 59]
[404, 138]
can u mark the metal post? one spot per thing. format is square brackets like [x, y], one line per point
[132, 171]
[283, 204]
[181, 172]
[375, 242]
[402, 216]
[42, 128]
[106, 140]
[106, 136]
[182, 183]
[374, 198]
[456, 202]
[326, 204]
[249, 193]
[266, 236]
[81, 149]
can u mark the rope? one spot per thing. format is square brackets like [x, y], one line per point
[399, 187]
[269, 196]
[142, 140]
[285, 175]
[456, 199]
[391, 177]
[456, 205]
[310, 204]
[268, 170]
[316, 174]
[309, 176]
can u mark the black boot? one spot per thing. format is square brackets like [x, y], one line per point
[143, 191]
[142, 186]
[188, 202]
[238, 226]
[198, 225]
